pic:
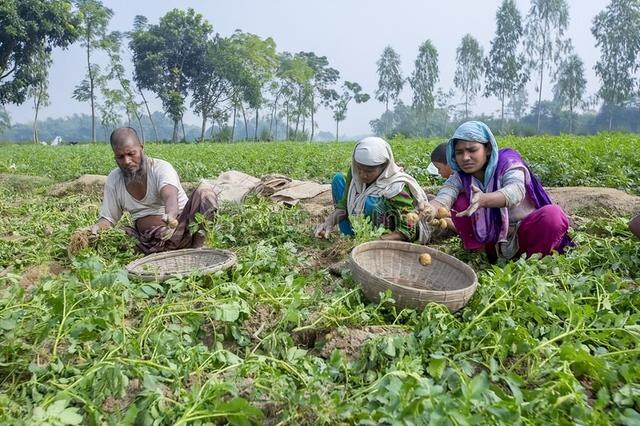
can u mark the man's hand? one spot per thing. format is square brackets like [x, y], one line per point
[167, 233]
[171, 221]
[474, 205]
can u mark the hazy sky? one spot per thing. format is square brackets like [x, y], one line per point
[350, 33]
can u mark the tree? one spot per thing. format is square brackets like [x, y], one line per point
[323, 76]
[390, 81]
[469, 69]
[570, 85]
[504, 66]
[26, 28]
[445, 107]
[39, 92]
[259, 61]
[95, 19]
[295, 74]
[617, 33]
[518, 103]
[110, 117]
[340, 102]
[166, 57]
[112, 44]
[424, 78]
[221, 74]
[5, 120]
[547, 21]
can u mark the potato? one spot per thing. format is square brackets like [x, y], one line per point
[443, 223]
[425, 259]
[412, 218]
[442, 213]
[435, 222]
[173, 223]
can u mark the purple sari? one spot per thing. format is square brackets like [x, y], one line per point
[491, 225]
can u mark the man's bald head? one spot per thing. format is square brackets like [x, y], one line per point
[122, 135]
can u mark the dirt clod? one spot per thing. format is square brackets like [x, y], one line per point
[350, 340]
[33, 275]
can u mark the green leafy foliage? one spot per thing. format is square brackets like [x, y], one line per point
[553, 340]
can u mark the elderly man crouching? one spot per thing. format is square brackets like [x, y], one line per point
[150, 190]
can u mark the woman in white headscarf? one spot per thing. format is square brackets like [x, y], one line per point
[376, 187]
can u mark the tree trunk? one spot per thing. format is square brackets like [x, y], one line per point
[93, 107]
[571, 119]
[540, 86]
[36, 104]
[233, 126]
[287, 113]
[184, 136]
[610, 118]
[337, 130]
[271, 123]
[295, 133]
[275, 138]
[138, 118]
[246, 127]
[502, 110]
[313, 107]
[204, 126]
[155, 131]
[255, 135]
[174, 137]
[386, 116]
[466, 105]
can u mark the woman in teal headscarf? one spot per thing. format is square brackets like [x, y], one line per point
[500, 206]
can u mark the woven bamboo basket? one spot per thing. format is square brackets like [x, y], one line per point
[162, 266]
[381, 265]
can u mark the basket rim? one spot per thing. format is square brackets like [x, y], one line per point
[161, 276]
[414, 248]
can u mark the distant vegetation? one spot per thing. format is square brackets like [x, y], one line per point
[243, 88]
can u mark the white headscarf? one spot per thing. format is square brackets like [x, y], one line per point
[374, 151]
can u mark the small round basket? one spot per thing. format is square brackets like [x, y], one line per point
[381, 265]
[162, 266]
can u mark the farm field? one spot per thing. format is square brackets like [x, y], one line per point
[279, 339]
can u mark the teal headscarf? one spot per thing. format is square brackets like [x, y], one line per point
[474, 131]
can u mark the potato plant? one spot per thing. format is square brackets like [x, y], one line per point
[553, 340]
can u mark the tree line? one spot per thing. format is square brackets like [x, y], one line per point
[242, 80]
[521, 50]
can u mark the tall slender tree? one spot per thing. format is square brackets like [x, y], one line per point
[140, 23]
[469, 70]
[570, 85]
[339, 102]
[504, 67]
[423, 80]
[95, 19]
[39, 92]
[323, 77]
[390, 80]
[617, 33]
[259, 62]
[112, 44]
[545, 44]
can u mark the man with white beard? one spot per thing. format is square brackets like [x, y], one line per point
[150, 190]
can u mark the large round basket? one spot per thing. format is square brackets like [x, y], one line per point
[381, 265]
[162, 266]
